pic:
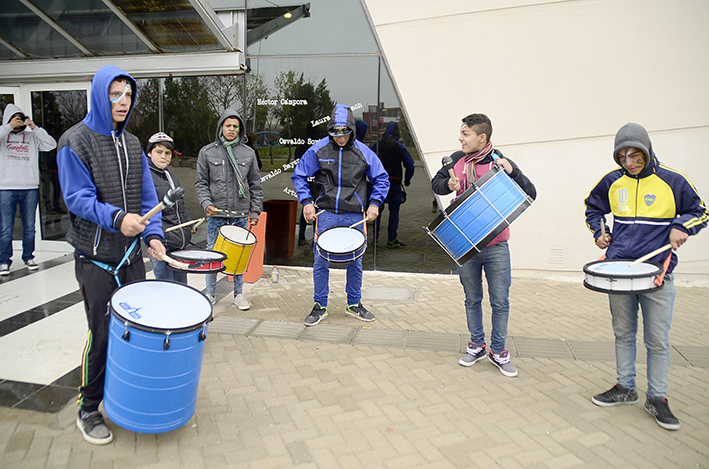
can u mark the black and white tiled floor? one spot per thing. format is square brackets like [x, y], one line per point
[43, 332]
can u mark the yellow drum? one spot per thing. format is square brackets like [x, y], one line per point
[238, 245]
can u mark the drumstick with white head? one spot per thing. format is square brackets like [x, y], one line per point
[174, 262]
[172, 196]
[652, 254]
[181, 225]
[358, 223]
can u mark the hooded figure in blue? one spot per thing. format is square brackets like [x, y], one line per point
[341, 167]
[107, 187]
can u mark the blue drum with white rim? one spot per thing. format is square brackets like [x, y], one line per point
[478, 215]
[156, 341]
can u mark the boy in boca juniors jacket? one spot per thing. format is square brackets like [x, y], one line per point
[652, 205]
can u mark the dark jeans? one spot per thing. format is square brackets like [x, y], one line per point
[393, 200]
[97, 287]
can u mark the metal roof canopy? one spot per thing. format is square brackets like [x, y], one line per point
[68, 40]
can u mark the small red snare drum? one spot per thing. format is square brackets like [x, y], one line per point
[201, 261]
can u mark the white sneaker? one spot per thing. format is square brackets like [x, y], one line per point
[212, 298]
[4, 270]
[241, 302]
[31, 265]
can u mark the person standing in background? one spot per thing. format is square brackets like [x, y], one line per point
[20, 143]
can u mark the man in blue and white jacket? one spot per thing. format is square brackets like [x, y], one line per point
[341, 166]
[107, 187]
[653, 205]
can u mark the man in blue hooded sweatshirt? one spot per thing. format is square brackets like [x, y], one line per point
[341, 166]
[107, 187]
[653, 205]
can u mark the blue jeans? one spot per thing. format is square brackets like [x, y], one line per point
[321, 267]
[495, 260]
[393, 201]
[27, 199]
[163, 272]
[656, 309]
[213, 224]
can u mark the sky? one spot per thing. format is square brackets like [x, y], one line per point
[334, 27]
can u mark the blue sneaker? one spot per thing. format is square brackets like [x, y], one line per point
[474, 354]
[502, 361]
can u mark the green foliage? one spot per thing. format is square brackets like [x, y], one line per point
[295, 119]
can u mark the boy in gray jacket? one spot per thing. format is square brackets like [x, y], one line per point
[228, 187]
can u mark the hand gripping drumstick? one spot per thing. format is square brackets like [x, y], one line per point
[447, 162]
[174, 262]
[652, 254]
[172, 196]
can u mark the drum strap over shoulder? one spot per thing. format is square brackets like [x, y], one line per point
[114, 270]
[661, 278]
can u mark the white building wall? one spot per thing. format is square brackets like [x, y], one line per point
[557, 79]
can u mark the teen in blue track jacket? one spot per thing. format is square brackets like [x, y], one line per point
[341, 166]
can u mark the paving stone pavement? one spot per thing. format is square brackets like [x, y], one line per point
[269, 402]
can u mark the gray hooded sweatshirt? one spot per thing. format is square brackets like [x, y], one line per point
[19, 153]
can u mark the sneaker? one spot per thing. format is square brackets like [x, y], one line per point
[212, 298]
[395, 244]
[660, 409]
[502, 361]
[474, 354]
[93, 428]
[4, 270]
[31, 265]
[241, 302]
[614, 396]
[316, 315]
[302, 242]
[360, 312]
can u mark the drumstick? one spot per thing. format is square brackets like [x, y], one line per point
[232, 212]
[172, 228]
[358, 223]
[174, 262]
[652, 254]
[321, 211]
[172, 196]
[201, 220]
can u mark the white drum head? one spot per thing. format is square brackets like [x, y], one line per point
[197, 255]
[622, 269]
[237, 234]
[341, 239]
[158, 304]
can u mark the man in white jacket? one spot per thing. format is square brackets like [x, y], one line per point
[19, 181]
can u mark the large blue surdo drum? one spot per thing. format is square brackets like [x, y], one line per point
[478, 215]
[156, 343]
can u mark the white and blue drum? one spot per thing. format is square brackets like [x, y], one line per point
[341, 244]
[156, 343]
[481, 213]
[620, 276]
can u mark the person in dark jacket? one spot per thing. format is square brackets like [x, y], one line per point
[107, 188]
[341, 166]
[653, 206]
[228, 186]
[393, 154]
[477, 158]
[159, 151]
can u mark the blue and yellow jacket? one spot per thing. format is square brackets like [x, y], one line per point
[645, 209]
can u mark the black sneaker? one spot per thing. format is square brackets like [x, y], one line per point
[316, 315]
[395, 244]
[472, 355]
[616, 395]
[93, 428]
[660, 409]
[360, 312]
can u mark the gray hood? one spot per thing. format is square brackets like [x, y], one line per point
[225, 115]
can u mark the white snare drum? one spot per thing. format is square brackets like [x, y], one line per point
[620, 276]
[341, 244]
